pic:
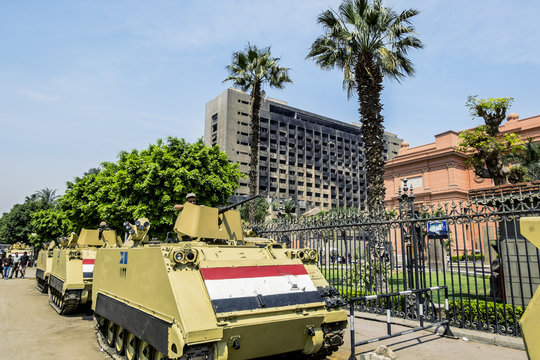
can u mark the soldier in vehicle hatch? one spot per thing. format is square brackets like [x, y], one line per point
[190, 198]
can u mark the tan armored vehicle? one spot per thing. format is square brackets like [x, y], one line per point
[18, 249]
[530, 228]
[43, 267]
[213, 295]
[70, 279]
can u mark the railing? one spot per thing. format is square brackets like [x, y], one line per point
[488, 267]
[420, 301]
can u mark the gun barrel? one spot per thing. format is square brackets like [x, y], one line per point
[232, 206]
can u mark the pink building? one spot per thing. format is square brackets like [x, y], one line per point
[437, 171]
[438, 175]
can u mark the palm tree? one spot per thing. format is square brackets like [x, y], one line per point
[249, 71]
[368, 41]
[47, 196]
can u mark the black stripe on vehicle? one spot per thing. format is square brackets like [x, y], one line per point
[56, 283]
[87, 274]
[39, 274]
[265, 301]
[144, 326]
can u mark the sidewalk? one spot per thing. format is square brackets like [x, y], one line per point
[426, 345]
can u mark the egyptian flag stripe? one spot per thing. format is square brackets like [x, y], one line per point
[265, 301]
[249, 287]
[252, 271]
[88, 267]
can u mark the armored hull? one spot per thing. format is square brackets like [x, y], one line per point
[43, 269]
[209, 299]
[70, 279]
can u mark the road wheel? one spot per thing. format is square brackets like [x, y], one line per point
[131, 345]
[144, 351]
[100, 321]
[119, 340]
[110, 333]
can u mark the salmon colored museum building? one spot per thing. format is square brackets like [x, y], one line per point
[437, 171]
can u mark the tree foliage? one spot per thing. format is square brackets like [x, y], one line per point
[143, 183]
[368, 41]
[261, 210]
[50, 224]
[15, 226]
[526, 164]
[148, 183]
[486, 147]
[250, 70]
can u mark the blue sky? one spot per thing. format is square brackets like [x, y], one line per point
[82, 80]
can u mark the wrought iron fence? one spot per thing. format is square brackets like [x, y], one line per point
[490, 270]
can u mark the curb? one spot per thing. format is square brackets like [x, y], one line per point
[511, 342]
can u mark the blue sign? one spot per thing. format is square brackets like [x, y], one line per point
[437, 229]
[123, 257]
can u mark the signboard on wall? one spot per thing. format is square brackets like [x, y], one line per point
[414, 182]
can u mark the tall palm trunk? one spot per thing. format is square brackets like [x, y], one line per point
[369, 82]
[254, 160]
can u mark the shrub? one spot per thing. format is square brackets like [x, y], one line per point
[484, 312]
[456, 258]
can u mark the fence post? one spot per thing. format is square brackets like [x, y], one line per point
[351, 327]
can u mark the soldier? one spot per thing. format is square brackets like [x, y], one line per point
[190, 198]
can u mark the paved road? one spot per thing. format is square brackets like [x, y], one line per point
[31, 329]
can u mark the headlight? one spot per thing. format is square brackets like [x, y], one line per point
[191, 255]
[179, 256]
[301, 254]
[313, 255]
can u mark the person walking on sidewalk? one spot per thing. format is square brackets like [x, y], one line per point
[7, 262]
[15, 266]
[23, 263]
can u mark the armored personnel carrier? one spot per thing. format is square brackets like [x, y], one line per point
[70, 279]
[18, 249]
[43, 267]
[213, 294]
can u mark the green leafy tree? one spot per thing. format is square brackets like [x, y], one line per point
[148, 183]
[526, 164]
[250, 70]
[486, 147]
[368, 41]
[50, 224]
[261, 211]
[15, 226]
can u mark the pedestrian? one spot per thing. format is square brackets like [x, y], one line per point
[2, 256]
[7, 262]
[15, 266]
[190, 198]
[23, 263]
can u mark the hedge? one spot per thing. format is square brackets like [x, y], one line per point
[459, 310]
[484, 312]
[471, 257]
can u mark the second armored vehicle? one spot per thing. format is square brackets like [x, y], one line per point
[43, 267]
[213, 295]
[70, 280]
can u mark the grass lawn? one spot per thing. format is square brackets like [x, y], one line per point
[460, 286]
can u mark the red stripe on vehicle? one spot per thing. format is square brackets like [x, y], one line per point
[252, 271]
[89, 261]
